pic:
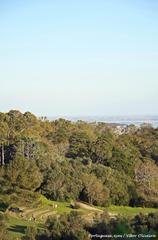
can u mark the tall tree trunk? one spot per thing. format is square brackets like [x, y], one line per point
[2, 154]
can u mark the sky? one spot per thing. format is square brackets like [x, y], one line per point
[79, 58]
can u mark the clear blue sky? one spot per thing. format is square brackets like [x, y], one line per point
[86, 57]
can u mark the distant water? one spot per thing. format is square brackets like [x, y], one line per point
[125, 120]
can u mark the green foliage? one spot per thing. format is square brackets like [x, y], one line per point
[146, 224]
[67, 227]
[3, 231]
[93, 190]
[102, 148]
[117, 182]
[63, 181]
[3, 205]
[146, 180]
[22, 173]
[146, 140]
[79, 145]
[140, 224]
[30, 233]
[80, 161]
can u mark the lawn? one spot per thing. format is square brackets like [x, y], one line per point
[17, 225]
[130, 211]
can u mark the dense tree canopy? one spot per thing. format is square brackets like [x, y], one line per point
[78, 160]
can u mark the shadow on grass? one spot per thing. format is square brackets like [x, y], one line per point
[3, 206]
[17, 229]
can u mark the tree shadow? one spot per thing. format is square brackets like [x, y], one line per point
[3, 206]
[17, 228]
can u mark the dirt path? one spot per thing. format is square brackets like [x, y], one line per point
[47, 214]
[43, 212]
[85, 206]
[38, 213]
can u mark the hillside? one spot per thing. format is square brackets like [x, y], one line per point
[88, 168]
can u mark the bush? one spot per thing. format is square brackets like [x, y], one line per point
[31, 233]
[3, 206]
[67, 227]
[1, 216]
[3, 231]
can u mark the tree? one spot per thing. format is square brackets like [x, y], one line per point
[62, 181]
[102, 149]
[146, 180]
[124, 155]
[3, 140]
[79, 145]
[23, 174]
[67, 227]
[3, 231]
[118, 183]
[146, 140]
[93, 190]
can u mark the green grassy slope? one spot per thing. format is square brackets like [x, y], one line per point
[17, 224]
[130, 211]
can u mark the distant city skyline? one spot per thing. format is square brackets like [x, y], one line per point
[79, 58]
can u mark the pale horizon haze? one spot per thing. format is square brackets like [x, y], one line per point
[79, 58]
